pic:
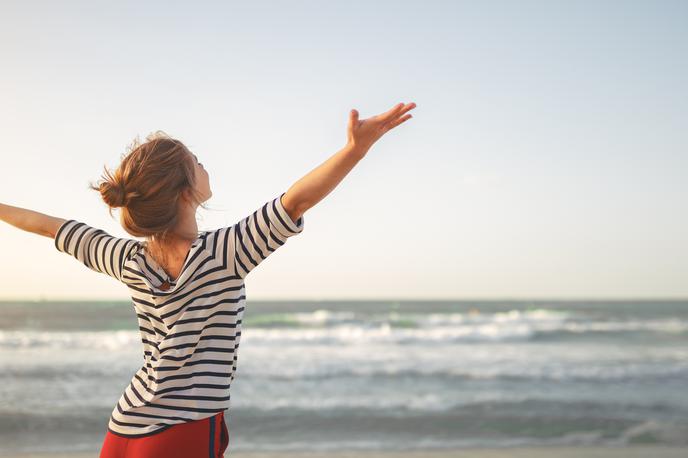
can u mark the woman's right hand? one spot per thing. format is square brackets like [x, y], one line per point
[362, 134]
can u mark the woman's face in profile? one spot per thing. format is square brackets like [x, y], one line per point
[202, 179]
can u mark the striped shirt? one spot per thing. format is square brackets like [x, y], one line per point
[190, 330]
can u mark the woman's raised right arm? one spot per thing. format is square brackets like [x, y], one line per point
[31, 221]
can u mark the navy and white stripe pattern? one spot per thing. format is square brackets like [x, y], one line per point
[94, 248]
[190, 326]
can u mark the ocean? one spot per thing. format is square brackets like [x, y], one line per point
[372, 375]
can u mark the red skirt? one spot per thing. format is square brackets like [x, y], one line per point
[206, 438]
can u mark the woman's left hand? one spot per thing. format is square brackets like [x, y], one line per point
[362, 134]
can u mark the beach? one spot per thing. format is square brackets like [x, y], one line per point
[529, 452]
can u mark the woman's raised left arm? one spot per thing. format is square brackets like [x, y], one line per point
[31, 221]
[361, 135]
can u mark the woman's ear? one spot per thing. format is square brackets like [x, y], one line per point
[185, 196]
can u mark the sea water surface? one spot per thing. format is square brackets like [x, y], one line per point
[373, 375]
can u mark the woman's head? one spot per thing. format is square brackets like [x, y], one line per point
[157, 184]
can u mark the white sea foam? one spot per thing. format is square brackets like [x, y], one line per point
[322, 326]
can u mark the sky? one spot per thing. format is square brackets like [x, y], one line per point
[546, 157]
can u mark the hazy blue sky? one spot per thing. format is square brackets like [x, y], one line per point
[547, 155]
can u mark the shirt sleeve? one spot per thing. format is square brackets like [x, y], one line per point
[95, 248]
[261, 233]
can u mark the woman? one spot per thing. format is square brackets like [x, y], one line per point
[187, 286]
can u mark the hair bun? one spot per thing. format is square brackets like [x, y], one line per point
[114, 194]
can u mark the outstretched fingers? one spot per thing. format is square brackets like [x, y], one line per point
[398, 116]
[396, 122]
[396, 110]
